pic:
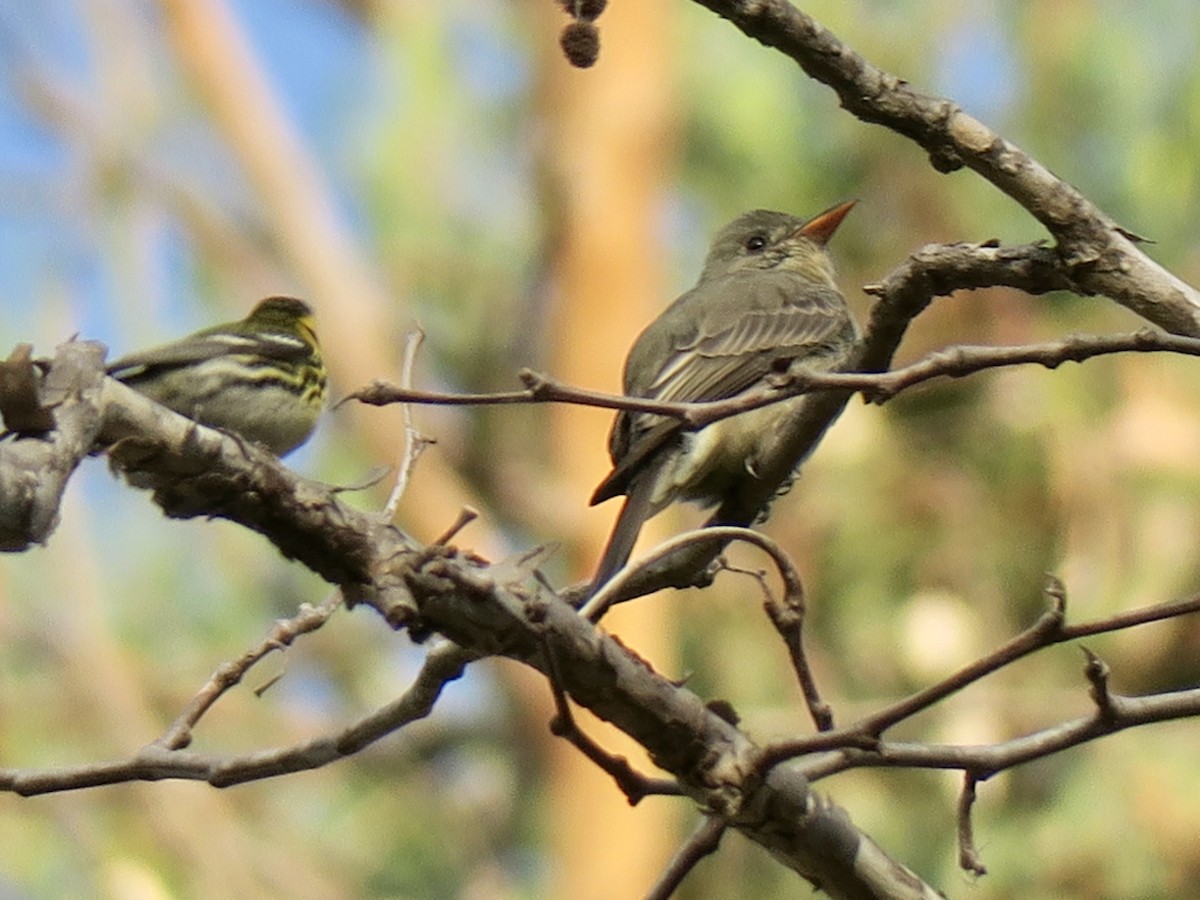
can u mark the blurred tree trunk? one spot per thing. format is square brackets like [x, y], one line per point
[604, 177]
[354, 306]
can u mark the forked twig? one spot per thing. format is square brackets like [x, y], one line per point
[954, 361]
[787, 616]
[157, 761]
[227, 675]
[1048, 630]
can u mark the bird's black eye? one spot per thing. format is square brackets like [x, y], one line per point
[756, 242]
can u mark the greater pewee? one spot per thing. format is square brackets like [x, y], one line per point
[766, 303]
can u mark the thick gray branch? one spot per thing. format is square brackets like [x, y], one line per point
[486, 609]
[34, 468]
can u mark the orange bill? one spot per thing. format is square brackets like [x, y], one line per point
[820, 228]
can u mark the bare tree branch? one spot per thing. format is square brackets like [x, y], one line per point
[939, 270]
[227, 675]
[503, 608]
[786, 615]
[963, 359]
[956, 361]
[1048, 630]
[157, 761]
[681, 567]
[34, 468]
[986, 760]
[414, 442]
[861, 745]
[1097, 255]
[506, 609]
[509, 609]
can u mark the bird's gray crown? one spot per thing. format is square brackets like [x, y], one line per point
[766, 239]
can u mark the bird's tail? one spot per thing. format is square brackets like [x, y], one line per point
[635, 511]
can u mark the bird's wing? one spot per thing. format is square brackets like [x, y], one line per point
[730, 360]
[780, 324]
[201, 347]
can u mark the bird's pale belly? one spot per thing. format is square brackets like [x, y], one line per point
[721, 458]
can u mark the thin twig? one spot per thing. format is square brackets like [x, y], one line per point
[956, 361]
[157, 761]
[985, 760]
[598, 603]
[787, 616]
[968, 854]
[229, 674]
[702, 842]
[466, 516]
[964, 359]
[1047, 631]
[634, 785]
[414, 442]
[1096, 671]
[1142, 616]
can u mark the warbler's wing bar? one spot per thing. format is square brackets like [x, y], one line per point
[201, 347]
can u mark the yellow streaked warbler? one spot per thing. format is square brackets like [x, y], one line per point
[261, 378]
[765, 302]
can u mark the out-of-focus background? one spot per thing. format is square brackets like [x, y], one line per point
[165, 164]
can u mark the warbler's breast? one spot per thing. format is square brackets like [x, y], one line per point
[264, 401]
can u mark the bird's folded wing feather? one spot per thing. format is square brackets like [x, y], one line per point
[201, 348]
[777, 326]
[727, 362]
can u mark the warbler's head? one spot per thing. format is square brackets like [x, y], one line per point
[286, 314]
[764, 239]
